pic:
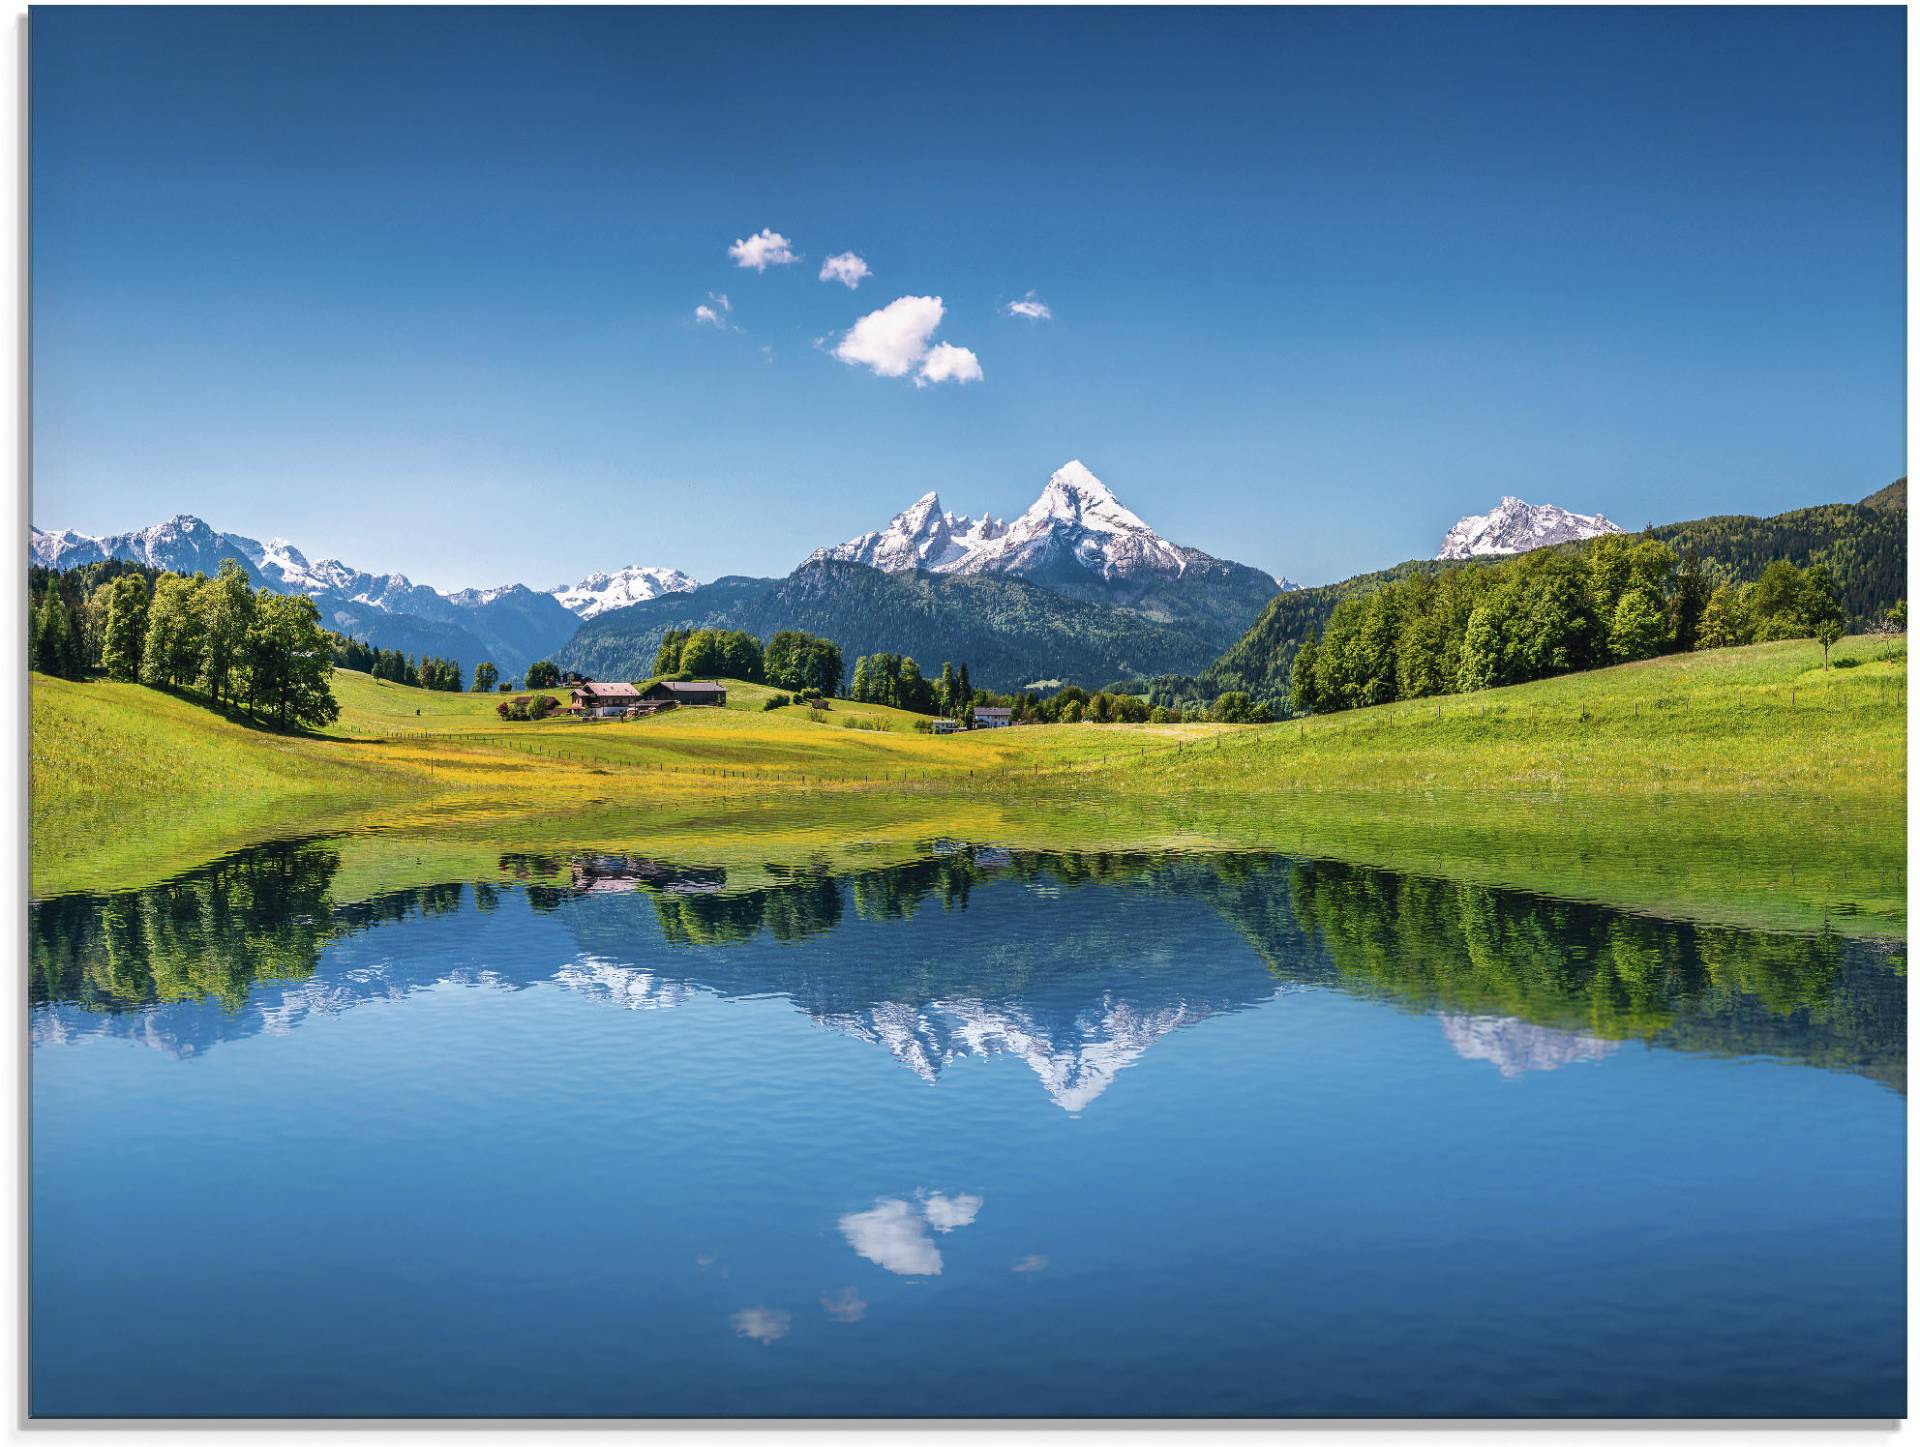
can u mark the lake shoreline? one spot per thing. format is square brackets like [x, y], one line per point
[1745, 786]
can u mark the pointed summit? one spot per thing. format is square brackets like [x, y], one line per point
[1074, 497]
[921, 537]
[1077, 475]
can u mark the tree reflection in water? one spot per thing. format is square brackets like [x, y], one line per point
[1492, 962]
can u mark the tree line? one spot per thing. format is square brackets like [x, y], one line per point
[1118, 703]
[1618, 599]
[66, 614]
[791, 659]
[255, 652]
[897, 682]
[1863, 545]
[711, 653]
[443, 675]
[894, 680]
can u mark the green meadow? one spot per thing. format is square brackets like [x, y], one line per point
[1745, 785]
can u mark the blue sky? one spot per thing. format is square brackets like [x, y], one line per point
[417, 289]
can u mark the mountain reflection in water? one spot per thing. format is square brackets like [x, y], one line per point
[985, 1132]
[256, 943]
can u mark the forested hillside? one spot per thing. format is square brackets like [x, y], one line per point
[1211, 599]
[1008, 631]
[1863, 545]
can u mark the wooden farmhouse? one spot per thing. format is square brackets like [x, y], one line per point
[712, 695]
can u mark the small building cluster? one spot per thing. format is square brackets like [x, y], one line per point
[625, 700]
[985, 717]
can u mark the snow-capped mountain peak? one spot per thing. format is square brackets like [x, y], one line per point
[1517, 526]
[1074, 493]
[922, 536]
[1077, 514]
[1076, 522]
[599, 593]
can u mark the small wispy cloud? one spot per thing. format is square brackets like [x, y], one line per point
[846, 1305]
[1031, 307]
[847, 269]
[713, 312]
[948, 1213]
[762, 1323]
[757, 253]
[948, 363]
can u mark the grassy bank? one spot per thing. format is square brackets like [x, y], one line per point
[1749, 783]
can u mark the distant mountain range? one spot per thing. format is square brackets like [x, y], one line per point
[1519, 527]
[511, 625]
[1077, 588]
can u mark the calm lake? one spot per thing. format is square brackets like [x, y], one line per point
[983, 1134]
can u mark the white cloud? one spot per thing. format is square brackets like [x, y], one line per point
[893, 1235]
[847, 269]
[713, 312]
[948, 363]
[769, 248]
[1031, 307]
[946, 1213]
[1031, 1263]
[892, 339]
[762, 1323]
[846, 1305]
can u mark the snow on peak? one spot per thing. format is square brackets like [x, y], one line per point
[599, 593]
[1076, 474]
[183, 543]
[1076, 518]
[1514, 1047]
[1075, 496]
[1516, 526]
[1075, 1064]
[922, 536]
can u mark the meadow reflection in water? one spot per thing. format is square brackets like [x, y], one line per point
[1523, 982]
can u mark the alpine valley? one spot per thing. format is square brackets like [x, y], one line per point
[1078, 588]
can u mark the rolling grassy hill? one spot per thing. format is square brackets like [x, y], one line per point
[1750, 780]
